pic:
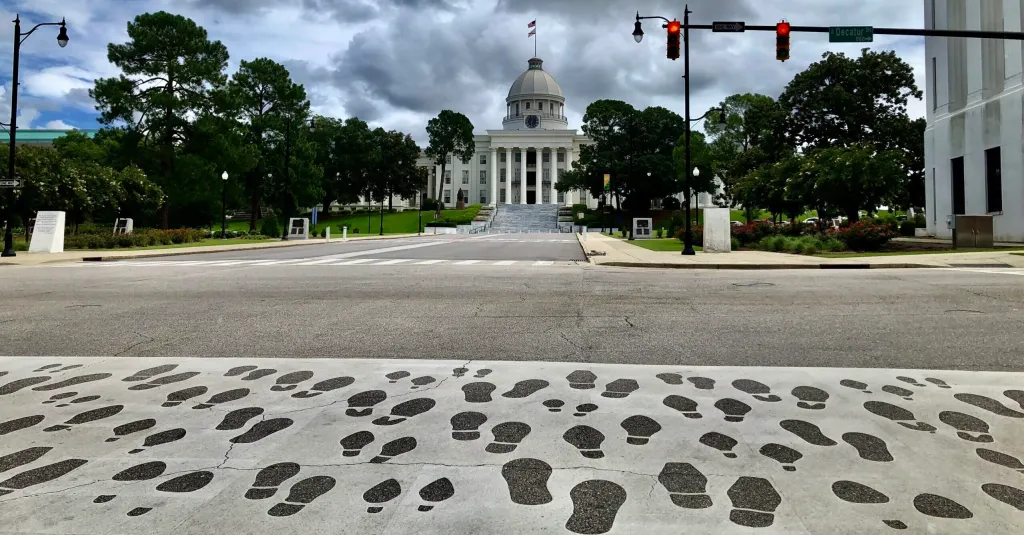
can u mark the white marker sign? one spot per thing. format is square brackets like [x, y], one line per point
[48, 234]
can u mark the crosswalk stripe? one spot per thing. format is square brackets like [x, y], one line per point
[231, 263]
[315, 262]
[351, 262]
[466, 262]
[392, 262]
[504, 262]
[280, 262]
[543, 263]
[428, 262]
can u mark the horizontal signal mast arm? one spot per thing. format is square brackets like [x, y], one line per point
[980, 34]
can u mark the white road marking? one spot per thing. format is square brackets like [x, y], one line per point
[428, 262]
[466, 262]
[543, 263]
[315, 262]
[392, 262]
[1019, 272]
[504, 262]
[352, 262]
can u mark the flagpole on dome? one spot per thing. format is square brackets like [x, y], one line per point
[533, 33]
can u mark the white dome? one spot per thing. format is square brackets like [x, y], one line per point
[535, 82]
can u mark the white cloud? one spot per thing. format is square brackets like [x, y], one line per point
[58, 125]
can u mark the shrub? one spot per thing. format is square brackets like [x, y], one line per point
[429, 205]
[734, 243]
[920, 221]
[696, 232]
[753, 232]
[270, 228]
[323, 232]
[661, 233]
[907, 228]
[864, 236]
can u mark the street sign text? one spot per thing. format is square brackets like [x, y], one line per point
[851, 34]
[10, 183]
[728, 26]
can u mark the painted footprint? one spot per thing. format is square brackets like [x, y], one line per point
[640, 429]
[259, 374]
[19, 384]
[237, 418]
[131, 427]
[1016, 395]
[479, 392]
[586, 439]
[149, 373]
[459, 372]
[481, 373]
[937, 382]
[382, 492]
[394, 377]
[685, 405]
[595, 503]
[754, 501]
[720, 442]
[584, 409]
[809, 432]
[74, 381]
[302, 494]
[262, 430]
[899, 391]
[620, 388]
[18, 424]
[941, 507]
[581, 379]
[911, 381]
[858, 493]
[159, 439]
[757, 390]
[87, 417]
[988, 404]
[43, 368]
[239, 370]
[23, 457]
[527, 481]
[290, 381]
[435, 492]
[809, 397]
[141, 472]
[223, 397]
[856, 385]
[57, 397]
[361, 404]
[269, 479]
[1001, 459]
[422, 381]
[670, 378]
[354, 443]
[967, 427]
[466, 425]
[39, 475]
[164, 381]
[1011, 496]
[869, 447]
[702, 383]
[526, 388]
[554, 405]
[785, 455]
[897, 414]
[507, 436]
[394, 448]
[687, 487]
[324, 386]
[734, 409]
[177, 398]
[406, 410]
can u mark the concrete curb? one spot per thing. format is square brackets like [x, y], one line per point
[762, 266]
[199, 250]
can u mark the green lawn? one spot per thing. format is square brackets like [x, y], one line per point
[656, 244]
[394, 222]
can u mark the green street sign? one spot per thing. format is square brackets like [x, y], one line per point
[851, 34]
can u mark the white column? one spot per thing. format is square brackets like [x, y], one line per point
[554, 176]
[508, 176]
[494, 177]
[568, 167]
[522, 177]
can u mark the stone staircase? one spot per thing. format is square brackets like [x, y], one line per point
[525, 218]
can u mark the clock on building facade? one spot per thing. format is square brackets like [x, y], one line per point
[532, 121]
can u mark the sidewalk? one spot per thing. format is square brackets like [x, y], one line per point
[605, 251]
[99, 255]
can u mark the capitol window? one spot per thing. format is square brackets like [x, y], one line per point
[483, 159]
[503, 175]
[503, 156]
[527, 105]
[561, 157]
[448, 176]
[465, 176]
[546, 158]
[483, 177]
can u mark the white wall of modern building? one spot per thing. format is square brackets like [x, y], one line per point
[974, 143]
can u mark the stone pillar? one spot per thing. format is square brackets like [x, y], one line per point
[494, 177]
[568, 167]
[522, 176]
[508, 176]
[554, 176]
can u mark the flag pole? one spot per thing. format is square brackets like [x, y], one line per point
[535, 41]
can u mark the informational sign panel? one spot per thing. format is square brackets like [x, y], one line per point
[48, 234]
[298, 228]
[607, 182]
[642, 228]
[123, 225]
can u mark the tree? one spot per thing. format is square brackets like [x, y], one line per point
[845, 180]
[168, 67]
[326, 138]
[260, 92]
[450, 133]
[354, 151]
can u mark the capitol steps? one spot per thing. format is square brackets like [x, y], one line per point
[525, 218]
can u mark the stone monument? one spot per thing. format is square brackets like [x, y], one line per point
[48, 234]
[717, 231]
[460, 201]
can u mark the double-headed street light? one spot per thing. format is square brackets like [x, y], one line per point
[19, 38]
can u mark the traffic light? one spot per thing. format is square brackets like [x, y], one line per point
[782, 41]
[672, 48]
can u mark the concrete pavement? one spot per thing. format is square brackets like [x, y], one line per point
[604, 250]
[203, 445]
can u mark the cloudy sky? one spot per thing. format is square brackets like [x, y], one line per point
[396, 63]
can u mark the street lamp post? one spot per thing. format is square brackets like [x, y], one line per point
[19, 38]
[638, 35]
[223, 205]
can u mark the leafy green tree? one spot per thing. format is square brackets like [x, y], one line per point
[354, 154]
[168, 67]
[75, 145]
[845, 180]
[326, 140]
[450, 133]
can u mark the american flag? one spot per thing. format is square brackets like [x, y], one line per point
[533, 25]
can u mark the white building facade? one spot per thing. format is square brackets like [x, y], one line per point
[522, 162]
[974, 142]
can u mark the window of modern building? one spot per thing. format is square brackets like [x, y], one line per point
[993, 180]
[448, 176]
[465, 176]
[561, 157]
[956, 178]
[483, 177]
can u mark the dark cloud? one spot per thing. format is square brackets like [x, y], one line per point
[344, 11]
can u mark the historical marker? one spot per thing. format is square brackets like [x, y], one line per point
[851, 34]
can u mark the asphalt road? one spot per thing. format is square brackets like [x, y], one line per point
[945, 319]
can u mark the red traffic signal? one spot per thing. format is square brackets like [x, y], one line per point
[782, 41]
[672, 45]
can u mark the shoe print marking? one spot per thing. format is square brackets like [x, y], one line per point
[394, 449]
[686, 486]
[897, 414]
[754, 501]
[239, 370]
[809, 432]
[177, 398]
[586, 439]
[670, 378]
[459, 372]
[685, 405]
[785, 455]
[759, 391]
[361, 404]
[720, 442]
[163, 437]
[526, 388]
[899, 391]
[479, 392]
[73, 382]
[76, 401]
[910, 380]
[406, 410]
[988, 404]
[165, 380]
[21, 458]
[1001, 459]
[937, 382]
[869, 447]
[507, 436]
[480, 374]
[856, 385]
[262, 430]
[941, 507]
[640, 429]
[259, 374]
[149, 373]
[223, 397]
[527, 481]
[269, 479]
[422, 381]
[290, 381]
[394, 377]
[354, 443]
[733, 409]
[702, 383]
[1011, 496]
[19, 384]
[436, 492]
[131, 427]
[142, 472]
[620, 388]
[1016, 395]
[581, 379]
[595, 503]
[968, 427]
[39, 475]
[18, 424]
[87, 417]
[57, 397]
[382, 492]
[466, 425]
[810, 398]
[554, 405]
[237, 418]
[584, 409]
